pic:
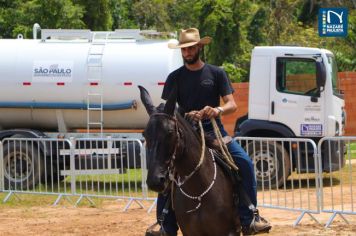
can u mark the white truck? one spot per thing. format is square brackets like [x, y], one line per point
[76, 83]
[292, 93]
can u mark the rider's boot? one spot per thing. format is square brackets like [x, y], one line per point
[258, 225]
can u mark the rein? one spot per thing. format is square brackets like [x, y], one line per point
[180, 182]
[226, 154]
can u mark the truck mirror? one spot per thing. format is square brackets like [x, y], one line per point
[320, 74]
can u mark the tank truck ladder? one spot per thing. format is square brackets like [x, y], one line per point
[95, 85]
[95, 56]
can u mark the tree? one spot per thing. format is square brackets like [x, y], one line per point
[7, 17]
[152, 14]
[257, 28]
[48, 13]
[97, 14]
[184, 14]
[122, 15]
[222, 20]
[309, 12]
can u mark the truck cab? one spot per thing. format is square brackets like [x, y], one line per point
[293, 93]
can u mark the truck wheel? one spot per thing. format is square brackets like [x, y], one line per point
[271, 162]
[22, 166]
[133, 156]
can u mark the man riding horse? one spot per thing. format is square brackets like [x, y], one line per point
[199, 88]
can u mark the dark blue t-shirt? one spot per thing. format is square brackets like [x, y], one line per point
[197, 89]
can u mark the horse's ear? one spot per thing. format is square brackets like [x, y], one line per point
[171, 102]
[146, 100]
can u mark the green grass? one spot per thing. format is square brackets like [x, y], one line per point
[128, 184]
[351, 150]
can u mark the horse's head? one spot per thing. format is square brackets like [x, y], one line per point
[161, 135]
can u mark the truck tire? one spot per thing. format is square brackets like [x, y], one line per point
[271, 162]
[133, 156]
[22, 165]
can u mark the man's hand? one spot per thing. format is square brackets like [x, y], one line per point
[205, 113]
[194, 115]
[210, 112]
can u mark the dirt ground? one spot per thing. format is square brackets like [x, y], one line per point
[109, 219]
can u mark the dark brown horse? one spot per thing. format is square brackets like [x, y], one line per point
[203, 194]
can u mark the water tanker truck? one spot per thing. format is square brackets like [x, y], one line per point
[71, 83]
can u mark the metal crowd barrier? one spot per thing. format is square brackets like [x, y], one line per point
[105, 167]
[33, 166]
[338, 188]
[286, 171]
[297, 176]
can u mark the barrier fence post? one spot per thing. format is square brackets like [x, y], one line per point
[72, 166]
[144, 171]
[1, 167]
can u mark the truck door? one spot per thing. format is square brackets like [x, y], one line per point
[294, 98]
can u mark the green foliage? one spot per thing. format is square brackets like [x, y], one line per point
[256, 35]
[344, 48]
[309, 12]
[295, 67]
[97, 14]
[234, 73]
[20, 16]
[223, 20]
[122, 15]
[152, 14]
[184, 14]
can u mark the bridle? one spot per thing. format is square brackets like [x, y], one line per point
[171, 169]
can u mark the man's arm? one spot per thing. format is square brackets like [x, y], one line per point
[229, 104]
[228, 108]
[210, 112]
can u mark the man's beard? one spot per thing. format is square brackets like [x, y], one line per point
[193, 60]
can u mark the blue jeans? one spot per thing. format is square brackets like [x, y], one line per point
[247, 174]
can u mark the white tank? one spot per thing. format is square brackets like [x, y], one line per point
[48, 84]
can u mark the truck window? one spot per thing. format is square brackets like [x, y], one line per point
[296, 76]
[334, 77]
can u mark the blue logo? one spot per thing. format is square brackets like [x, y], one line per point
[332, 22]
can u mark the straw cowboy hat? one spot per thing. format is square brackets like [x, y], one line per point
[189, 37]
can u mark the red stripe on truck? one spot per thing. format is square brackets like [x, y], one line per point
[127, 83]
[26, 83]
[94, 83]
[161, 83]
[60, 83]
